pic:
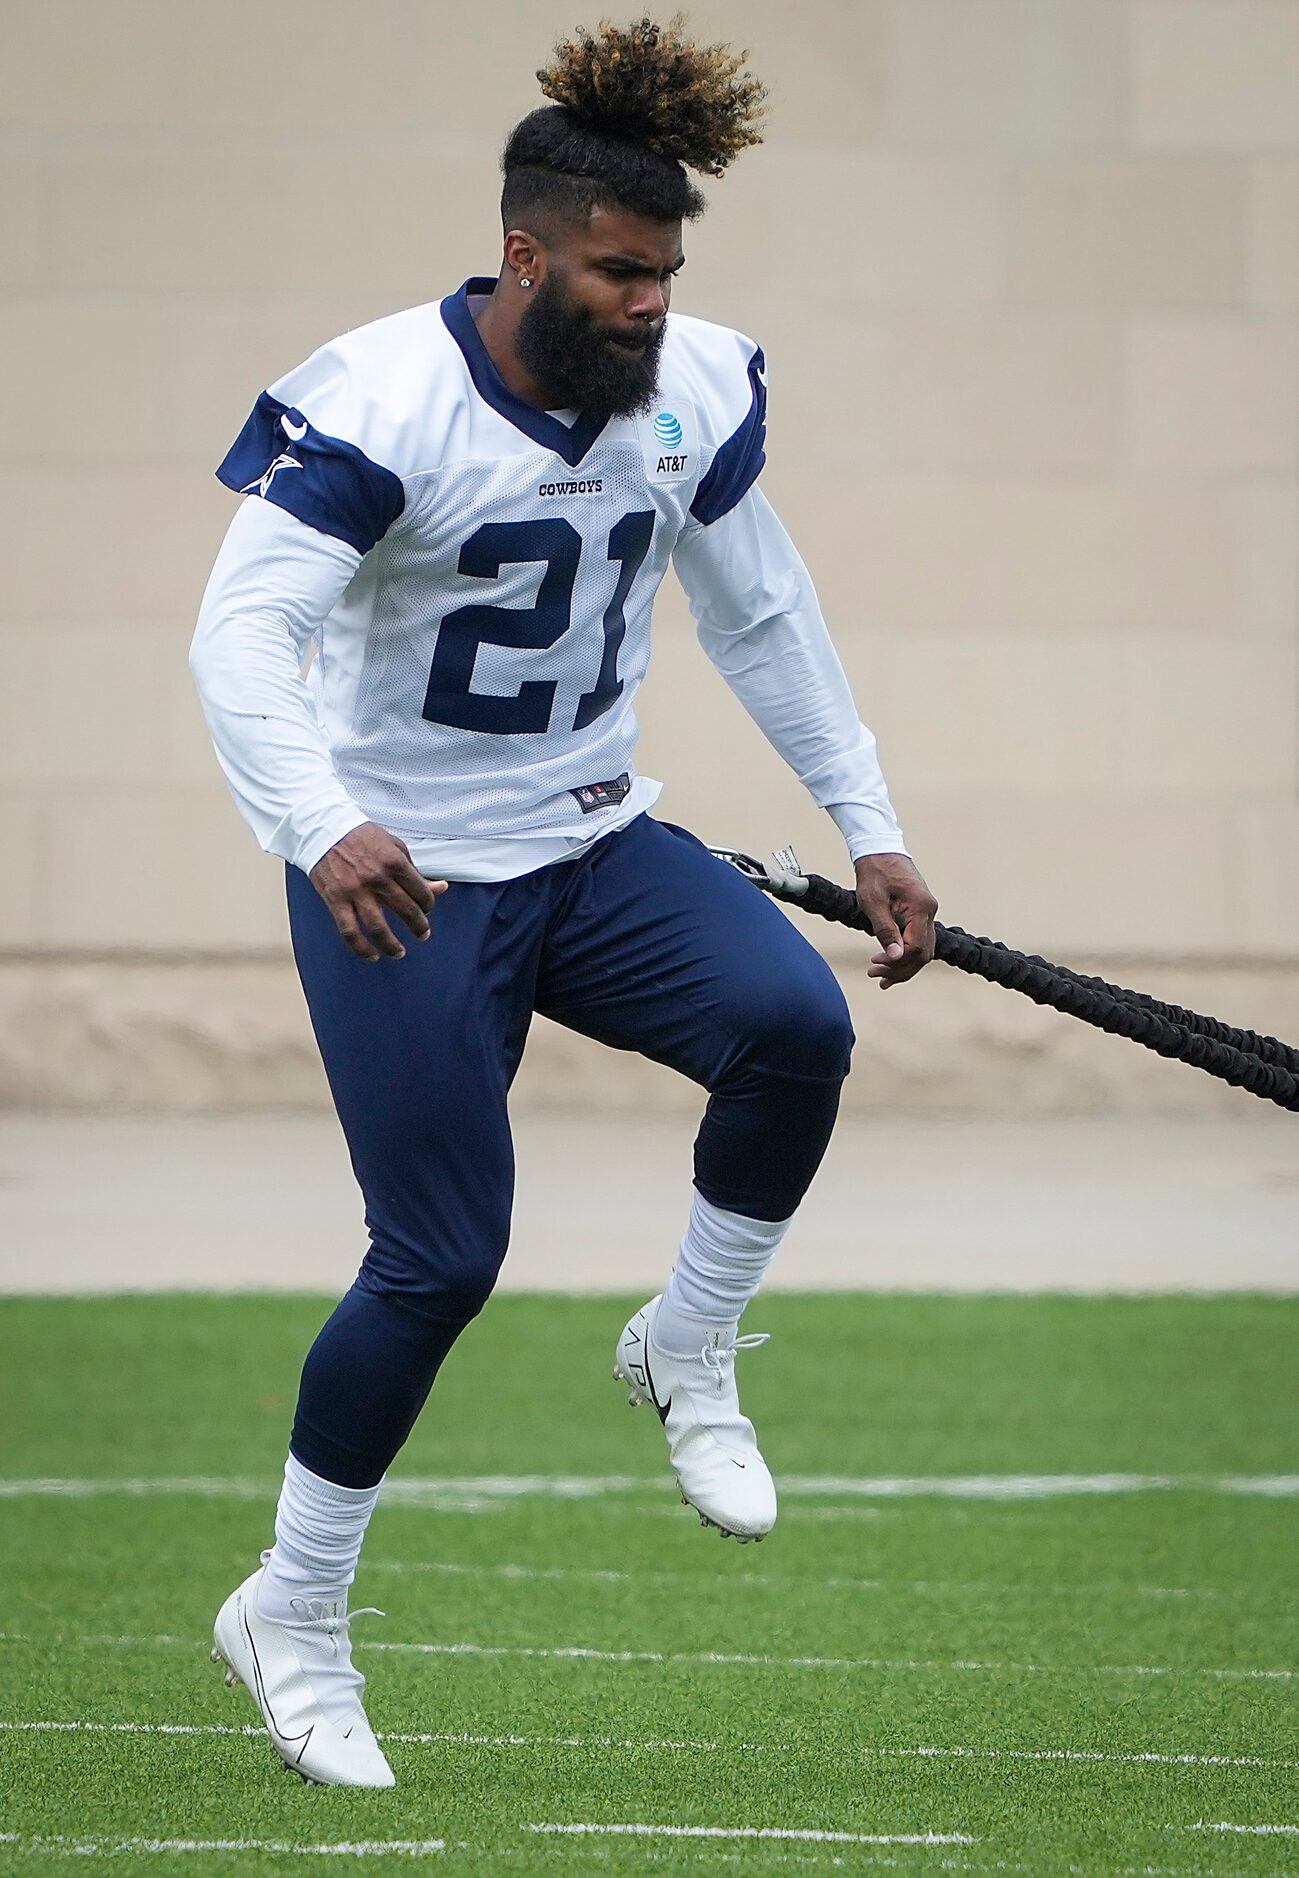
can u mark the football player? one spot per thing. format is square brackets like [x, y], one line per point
[458, 517]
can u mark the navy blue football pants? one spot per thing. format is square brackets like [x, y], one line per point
[645, 942]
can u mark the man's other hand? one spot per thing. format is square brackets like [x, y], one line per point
[901, 910]
[362, 874]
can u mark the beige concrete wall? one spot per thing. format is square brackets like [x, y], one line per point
[1027, 275]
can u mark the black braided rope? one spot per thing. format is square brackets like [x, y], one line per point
[1269, 1072]
[1250, 1042]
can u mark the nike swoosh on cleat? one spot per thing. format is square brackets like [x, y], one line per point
[288, 1740]
[663, 1408]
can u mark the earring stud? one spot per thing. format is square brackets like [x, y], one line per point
[524, 281]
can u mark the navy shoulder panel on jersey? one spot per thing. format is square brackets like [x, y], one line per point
[735, 468]
[325, 482]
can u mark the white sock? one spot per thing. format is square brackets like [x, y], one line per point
[318, 1532]
[723, 1259]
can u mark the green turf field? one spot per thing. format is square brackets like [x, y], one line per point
[1054, 1681]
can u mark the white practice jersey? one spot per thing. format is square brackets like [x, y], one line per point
[475, 579]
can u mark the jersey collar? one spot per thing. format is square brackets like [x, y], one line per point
[571, 443]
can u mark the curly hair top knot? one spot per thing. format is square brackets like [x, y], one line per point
[650, 85]
[633, 106]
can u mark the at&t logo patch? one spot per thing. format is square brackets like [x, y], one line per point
[668, 438]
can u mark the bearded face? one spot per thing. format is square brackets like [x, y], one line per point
[600, 369]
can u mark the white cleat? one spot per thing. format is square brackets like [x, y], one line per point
[712, 1447]
[285, 1668]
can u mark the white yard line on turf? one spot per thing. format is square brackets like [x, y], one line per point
[1074, 1871]
[585, 1653]
[1082, 1755]
[1040, 1870]
[764, 1832]
[127, 1728]
[1033, 1486]
[602, 1743]
[935, 1587]
[1222, 1826]
[476, 1490]
[160, 1486]
[347, 1848]
[63, 1845]
[405, 1740]
[860, 1860]
[742, 1659]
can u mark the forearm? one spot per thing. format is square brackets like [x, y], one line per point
[274, 582]
[760, 623]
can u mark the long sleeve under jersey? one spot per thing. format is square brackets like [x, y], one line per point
[760, 622]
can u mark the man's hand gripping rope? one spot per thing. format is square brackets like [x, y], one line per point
[901, 911]
[1263, 1065]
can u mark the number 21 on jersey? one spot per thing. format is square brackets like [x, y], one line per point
[557, 544]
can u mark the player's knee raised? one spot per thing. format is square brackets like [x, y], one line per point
[806, 1030]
